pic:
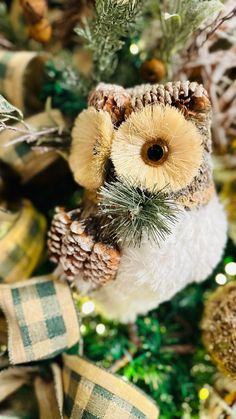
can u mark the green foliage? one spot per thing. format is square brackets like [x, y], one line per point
[132, 212]
[67, 90]
[112, 21]
[179, 20]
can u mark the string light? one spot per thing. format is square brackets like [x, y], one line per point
[100, 329]
[88, 307]
[134, 49]
[3, 349]
[83, 329]
[230, 268]
[220, 279]
[203, 393]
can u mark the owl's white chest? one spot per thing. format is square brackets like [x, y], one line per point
[150, 274]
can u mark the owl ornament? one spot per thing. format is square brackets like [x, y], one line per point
[150, 222]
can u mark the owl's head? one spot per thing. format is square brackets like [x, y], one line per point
[150, 138]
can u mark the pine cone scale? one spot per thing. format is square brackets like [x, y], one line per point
[78, 253]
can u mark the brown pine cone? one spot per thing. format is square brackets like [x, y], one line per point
[103, 263]
[73, 244]
[113, 99]
[190, 97]
[59, 228]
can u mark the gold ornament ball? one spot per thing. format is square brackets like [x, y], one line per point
[219, 328]
[41, 31]
[153, 70]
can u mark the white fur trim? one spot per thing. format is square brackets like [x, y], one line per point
[152, 274]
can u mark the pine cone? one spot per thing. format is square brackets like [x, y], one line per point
[73, 244]
[190, 97]
[113, 99]
[59, 227]
[103, 263]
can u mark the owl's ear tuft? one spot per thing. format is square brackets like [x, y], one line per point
[113, 99]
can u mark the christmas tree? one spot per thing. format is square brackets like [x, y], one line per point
[72, 205]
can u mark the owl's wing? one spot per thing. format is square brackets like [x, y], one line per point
[75, 245]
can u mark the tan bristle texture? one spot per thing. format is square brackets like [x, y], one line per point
[182, 138]
[91, 144]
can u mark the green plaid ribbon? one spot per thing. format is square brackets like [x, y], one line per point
[80, 391]
[41, 317]
[22, 244]
[42, 323]
[91, 392]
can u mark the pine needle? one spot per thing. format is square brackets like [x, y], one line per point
[104, 33]
[133, 213]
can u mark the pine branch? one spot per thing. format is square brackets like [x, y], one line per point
[133, 213]
[113, 20]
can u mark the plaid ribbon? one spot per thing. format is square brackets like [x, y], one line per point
[13, 71]
[81, 390]
[93, 393]
[22, 244]
[41, 317]
[42, 323]
[20, 156]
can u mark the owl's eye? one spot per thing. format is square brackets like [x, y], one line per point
[154, 152]
[156, 147]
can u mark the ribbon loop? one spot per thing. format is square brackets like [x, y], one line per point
[92, 392]
[42, 319]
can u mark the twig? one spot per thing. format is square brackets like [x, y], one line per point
[219, 23]
[128, 356]
[133, 334]
[221, 401]
[213, 26]
[4, 43]
[32, 136]
[179, 349]
[222, 20]
[122, 362]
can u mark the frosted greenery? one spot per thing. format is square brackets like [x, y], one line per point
[112, 21]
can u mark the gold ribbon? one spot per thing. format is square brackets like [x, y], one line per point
[21, 243]
[21, 74]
